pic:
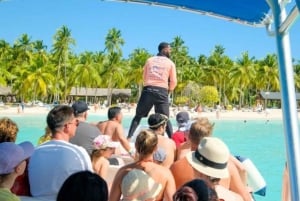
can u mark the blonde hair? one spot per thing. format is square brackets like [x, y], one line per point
[201, 128]
[146, 142]
[8, 130]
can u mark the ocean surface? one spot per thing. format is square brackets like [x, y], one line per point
[260, 140]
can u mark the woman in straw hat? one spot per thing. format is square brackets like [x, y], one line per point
[143, 179]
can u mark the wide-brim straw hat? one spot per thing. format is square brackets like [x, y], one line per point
[210, 158]
[137, 185]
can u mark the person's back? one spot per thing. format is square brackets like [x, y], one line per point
[146, 144]
[85, 132]
[114, 128]
[55, 160]
[183, 149]
[161, 175]
[52, 163]
[202, 127]
[182, 172]
[109, 128]
[201, 164]
[158, 76]
[157, 124]
[182, 120]
[159, 81]
[170, 148]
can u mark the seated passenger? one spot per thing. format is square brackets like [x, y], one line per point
[8, 133]
[236, 182]
[85, 132]
[103, 149]
[182, 119]
[54, 161]
[158, 123]
[208, 162]
[161, 177]
[113, 127]
[12, 164]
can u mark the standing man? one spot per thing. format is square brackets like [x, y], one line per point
[159, 81]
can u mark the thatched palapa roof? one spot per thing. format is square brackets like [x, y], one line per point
[80, 91]
[274, 95]
[4, 91]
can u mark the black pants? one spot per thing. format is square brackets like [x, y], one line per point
[151, 96]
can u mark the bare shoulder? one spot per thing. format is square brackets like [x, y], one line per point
[164, 171]
[101, 124]
[172, 143]
[179, 164]
[124, 170]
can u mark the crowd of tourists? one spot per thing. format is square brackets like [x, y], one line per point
[77, 161]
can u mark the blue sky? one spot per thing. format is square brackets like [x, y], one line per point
[141, 27]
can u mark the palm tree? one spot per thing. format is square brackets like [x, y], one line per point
[113, 71]
[24, 48]
[297, 75]
[61, 53]
[5, 59]
[268, 74]
[114, 41]
[181, 59]
[217, 69]
[242, 75]
[85, 73]
[113, 74]
[137, 59]
[35, 79]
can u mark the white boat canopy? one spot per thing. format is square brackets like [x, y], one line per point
[273, 15]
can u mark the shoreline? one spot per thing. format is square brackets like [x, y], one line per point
[270, 114]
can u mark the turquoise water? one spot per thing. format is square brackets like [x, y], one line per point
[261, 141]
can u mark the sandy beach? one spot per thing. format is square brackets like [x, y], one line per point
[223, 115]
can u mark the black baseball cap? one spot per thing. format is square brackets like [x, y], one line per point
[79, 107]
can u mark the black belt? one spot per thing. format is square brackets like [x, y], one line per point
[155, 88]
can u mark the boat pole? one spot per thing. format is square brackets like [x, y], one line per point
[288, 97]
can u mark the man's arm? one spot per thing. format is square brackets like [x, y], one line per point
[172, 78]
[124, 142]
[170, 186]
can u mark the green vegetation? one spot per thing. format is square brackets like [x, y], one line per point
[208, 95]
[34, 72]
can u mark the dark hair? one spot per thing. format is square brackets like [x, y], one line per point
[156, 120]
[113, 112]
[162, 46]
[58, 116]
[83, 186]
[201, 189]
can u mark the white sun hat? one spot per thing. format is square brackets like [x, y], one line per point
[210, 158]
